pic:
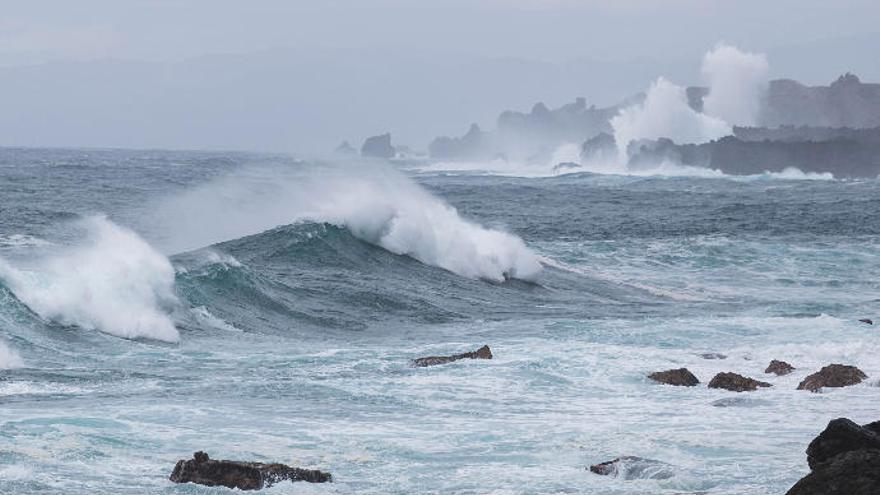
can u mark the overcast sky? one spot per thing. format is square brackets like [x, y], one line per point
[302, 75]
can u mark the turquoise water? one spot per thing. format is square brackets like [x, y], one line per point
[259, 307]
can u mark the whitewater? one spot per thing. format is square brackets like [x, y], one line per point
[262, 307]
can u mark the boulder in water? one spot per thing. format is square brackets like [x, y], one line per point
[681, 377]
[242, 475]
[867, 321]
[631, 467]
[481, 353]
[833, 375]
[844, 460]
[779, 368]
[736, 383]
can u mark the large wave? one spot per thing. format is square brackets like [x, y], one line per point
[376, 204]
[110, 280]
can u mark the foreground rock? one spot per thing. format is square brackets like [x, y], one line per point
[779, 368]
[630, 468]
[833, 375]
[736, 383]
[844, 460]
[242, 475]
[681, 377]
[481, 353]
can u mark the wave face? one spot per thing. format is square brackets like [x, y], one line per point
[110, 280]
[377, 205]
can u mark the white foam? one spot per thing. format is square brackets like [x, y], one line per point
[205, 317]
[375, 203]
[22, 240]
[112, 281]
[665, 114]
[737, 83]
[9, 359]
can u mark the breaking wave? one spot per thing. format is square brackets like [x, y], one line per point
[376, 204]
[111, 280]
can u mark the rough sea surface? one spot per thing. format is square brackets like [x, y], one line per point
[259, 307]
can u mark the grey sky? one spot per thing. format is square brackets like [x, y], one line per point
[301, 76]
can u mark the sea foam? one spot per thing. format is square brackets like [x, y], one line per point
[111, 280]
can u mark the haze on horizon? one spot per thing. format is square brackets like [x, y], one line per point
[300, 76]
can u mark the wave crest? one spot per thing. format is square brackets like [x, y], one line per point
[112, 281]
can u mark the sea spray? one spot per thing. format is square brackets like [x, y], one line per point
[737, 84]
[9, 359]
[664, 114]
[111, 280]
[375, 203]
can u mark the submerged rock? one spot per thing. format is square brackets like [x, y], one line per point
[631, 467]
[844, 460]
[680, 377]
[242, 475]
[736, 383]
[779, 367]
[833, 375]
[481, 353]
[712, 355]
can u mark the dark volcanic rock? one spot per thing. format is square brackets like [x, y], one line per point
[851, 473]
[867, 321]
[481, 353]
[378, 147]
[779, 367]
[630, 467]
[736, 383]
[833, 375]
[844, 459]
[841, 435]
[680, 377]
[242, 475]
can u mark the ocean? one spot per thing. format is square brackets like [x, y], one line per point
[262, 307]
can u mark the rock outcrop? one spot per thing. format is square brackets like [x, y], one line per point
[378, 147]
[779, 368]
[736, 383]
[833, 375]
[680, 377]
[631, 467]
[242, 475]
[844, 460]
[481, 353]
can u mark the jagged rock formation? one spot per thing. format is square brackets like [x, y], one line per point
[378, 147]
[481, 353]
[680, 377]
[842, 157]
[844, 460]
[474, 145]
[242, 475]
[847, 102]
